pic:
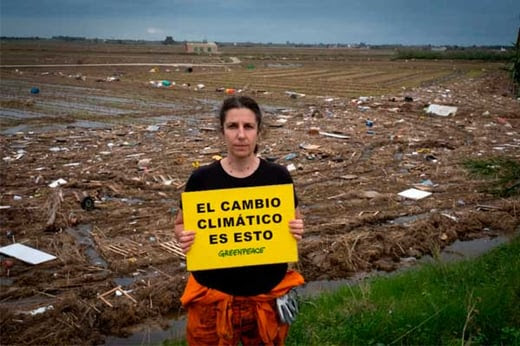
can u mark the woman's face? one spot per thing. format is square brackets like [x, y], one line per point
[240, 132]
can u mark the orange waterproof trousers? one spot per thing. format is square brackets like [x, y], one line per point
[217, 318]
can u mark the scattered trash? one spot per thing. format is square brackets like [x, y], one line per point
[87, 203]
[408, 99]
[35, 90]
[154, 70]
[425, 185]
[349, 177]
[314, 131]
[431, 158]
[229, 91]
[308, 146]
[26, 253]
[441, 110]
[291, 167]
[40, 310]
[294, 95]
[369, 123]
[152, 128]
[143, 164]
[117, 291]
[57, 183]
[414, 194]
[7, 264]
[334, 135]
[290, 156]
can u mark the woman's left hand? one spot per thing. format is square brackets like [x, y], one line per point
[296, 228]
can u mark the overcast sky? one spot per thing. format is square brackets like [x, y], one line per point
[437, 22]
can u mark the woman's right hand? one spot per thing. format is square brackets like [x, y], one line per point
[185, 238]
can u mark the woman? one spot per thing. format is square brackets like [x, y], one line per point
[232, 305]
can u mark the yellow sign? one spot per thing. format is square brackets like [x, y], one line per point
[240, 226]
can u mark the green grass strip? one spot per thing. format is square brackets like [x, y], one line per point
[472, 302]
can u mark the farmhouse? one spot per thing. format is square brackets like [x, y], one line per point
[208, 48]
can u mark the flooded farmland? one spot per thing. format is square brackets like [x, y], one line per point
[354, 132]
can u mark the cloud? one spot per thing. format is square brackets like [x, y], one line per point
[154, 31]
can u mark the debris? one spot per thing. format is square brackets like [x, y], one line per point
[87, 203]
[294, 95]
[230, 91]
[308, 146]
[173, 247]
[349, 177]
[291, 167]
[290, 156]
[143, 164]
[7, 264]
[26, 253]
[152, 128]
[118, 291]
[441, 110]
[35, 90]
[414, 194]
[57, 183]
[334, 135]
[40, 310]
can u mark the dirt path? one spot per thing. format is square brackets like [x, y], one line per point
[234, 61]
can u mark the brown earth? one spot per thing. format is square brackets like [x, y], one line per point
[130, 146]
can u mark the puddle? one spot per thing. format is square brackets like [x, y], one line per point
[5, 281]
[82, 234]
[177, 326]
[461, 250]
[126, 281]
[152, 335]
[404, 220]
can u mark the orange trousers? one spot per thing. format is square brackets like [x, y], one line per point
[217, 318]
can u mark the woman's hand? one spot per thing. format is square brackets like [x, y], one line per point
[185, 238]
[296, 226]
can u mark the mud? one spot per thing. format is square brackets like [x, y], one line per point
[97, 137]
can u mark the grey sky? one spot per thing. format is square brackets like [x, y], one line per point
[437, 22]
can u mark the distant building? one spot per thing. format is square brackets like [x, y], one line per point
[201, 48]
[439, 49]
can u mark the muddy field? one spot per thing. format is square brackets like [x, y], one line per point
[118, 142]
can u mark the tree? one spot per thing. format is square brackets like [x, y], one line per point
[168, 40]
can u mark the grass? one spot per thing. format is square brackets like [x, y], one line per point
[503, 172]
[473, 302]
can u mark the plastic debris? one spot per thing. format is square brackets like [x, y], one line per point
[26, 253]
[57, 183]
[414, 194]
[441, 110]
[294, 95]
